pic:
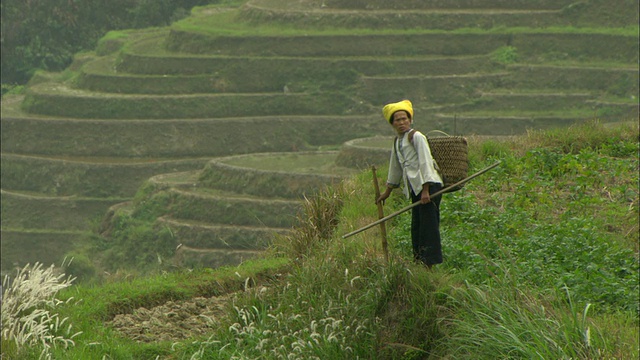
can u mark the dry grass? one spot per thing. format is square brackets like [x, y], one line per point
[28, 302]
[316, 224]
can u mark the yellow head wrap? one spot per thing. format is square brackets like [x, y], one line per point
[389, 109]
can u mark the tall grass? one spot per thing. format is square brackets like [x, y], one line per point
[28, 321]
[316, 224]
[336, 308]
[340, 299]
[504, 322]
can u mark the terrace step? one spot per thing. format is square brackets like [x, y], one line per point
[217, 75]
[441, 19]
[445, 89]
[224, 208]
[363, 153]
[213, 258]
[22, 210]
[183, 180]
[609, 110]
[619, 80]
[503, 124]
[549, 46]
[59, 100]
[212, 227]
[440, 14]
[582, 104]
[27, 246]
[541, 42]
[419, 4]
[224, 237]
[86, 177]
[142, 58]
[100, 75]
[525, 101]
[39, 134]
[330, 45]
[241, 74]
[290, 175]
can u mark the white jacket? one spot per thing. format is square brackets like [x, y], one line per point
[412, 162]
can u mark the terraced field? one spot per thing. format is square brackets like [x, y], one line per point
[226, 119]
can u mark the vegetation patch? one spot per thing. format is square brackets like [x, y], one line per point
[541, 258]
[564, 223]
[505, 55]
[111, 42]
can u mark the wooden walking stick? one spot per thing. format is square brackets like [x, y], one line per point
[409, 207]
[383, 228]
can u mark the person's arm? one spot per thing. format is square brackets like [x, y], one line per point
[385, 195]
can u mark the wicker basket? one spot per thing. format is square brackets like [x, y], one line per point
[451, 155]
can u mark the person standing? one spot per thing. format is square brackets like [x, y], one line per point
[412, 164]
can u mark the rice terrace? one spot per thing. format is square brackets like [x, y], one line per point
[181, 191]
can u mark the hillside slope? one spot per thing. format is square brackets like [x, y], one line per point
[162, 112]
[541, 260]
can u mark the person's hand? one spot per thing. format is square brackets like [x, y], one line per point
[425, 198]
[383, 196]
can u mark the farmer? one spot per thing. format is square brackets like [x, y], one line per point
[411, 162]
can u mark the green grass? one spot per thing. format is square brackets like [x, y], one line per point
[541, 261]
[124, 293]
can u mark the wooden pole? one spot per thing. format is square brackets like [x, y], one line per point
[383, 228]
[409, 207]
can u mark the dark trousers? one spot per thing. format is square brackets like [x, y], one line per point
[425, 228]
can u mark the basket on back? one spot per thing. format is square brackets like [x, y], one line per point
[451, 155]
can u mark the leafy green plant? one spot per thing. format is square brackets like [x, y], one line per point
[505, 55]
[548, 219]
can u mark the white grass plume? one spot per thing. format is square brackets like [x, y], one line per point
[27, 301]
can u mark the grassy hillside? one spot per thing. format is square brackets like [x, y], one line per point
[162, 111]
[541, 261]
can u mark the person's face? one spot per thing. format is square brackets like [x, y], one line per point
[401, 122]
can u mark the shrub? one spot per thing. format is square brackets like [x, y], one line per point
[505, 55]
